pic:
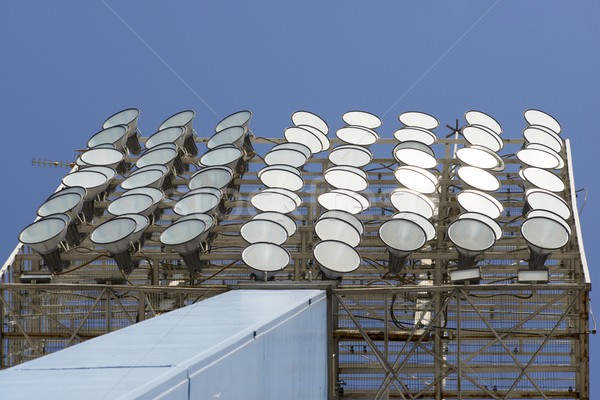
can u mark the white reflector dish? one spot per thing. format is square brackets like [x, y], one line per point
[480, 202]
[263, 230]
[266, 257]
[141, 222]
[174, 134]
[362, 118]
[330, 228]
[539, 199]
[93, 182]
[67, 203]
[110, 173]
[357, 135]
[209, 220]
[346, 177]
[148, 177]
[277, 200]
[288, 223]
[542, 179]
[184, 236]
[344, 200]
[303, 136]
[480, 157]
[218, 177]
[233, 135]
[478, 178]
[197, 203]
[239, 118]
[44, 235]
[474, 117]
[540, 135]
[413, 133]
[417, 179]
[418, 119]
[336, 258]
[539, 157]
[486, 220]
[132, 204]
[325, 143]
[156, 194]
[416, 154]
[127, 117]
[420, 220]
[351, 155]
[115, 135]
[402, 235]
[293, 146]
[551, 215]
[281, 176]
[114, 235]
[537, 117]
[226, 155]
[346, 216]
[291, 157]
[478, 135]
[157, 155]
[471, 236]
[183, 119]
[409, 200]
[544, 234]
[310, 119]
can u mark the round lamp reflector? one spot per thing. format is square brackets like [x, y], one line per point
[417, 179]
[148, 177]
[345, 216]
[183, 119]
[303, 136]
[293, 146]
[539, 135]
[265, 257]
[115, 135]
[94, 182]
[346, 177]
[240, 119]
[197, 203]
[310, 119]
[132, 204]
[127, 117]
[233, 135]
[141, 222]
[486, 220]
[402, 235]
[480, 136]
[336, 258]
[184, 236]
[343, 200]
[480, 157]
[471, 235]
[282, 201]
[225, 155]
[174, 134]
[281, 176]
[420, 220]
[357, 135]
[539, 157]
[362, 118]
[163, 156]
[156, 194]
[331, 228]
[44, 235]
[102, 157]
[73, 189]
[551, 215]
[325, 143]
[418, 119]
[480, 202]
[539, 199]
[416, 154]
[114, 235]
[415, 134]
[262, 230]
[478, 178]
[544, 234]
[218, 177]
[537, 117]
[287, 222]
[291, 157]
[67, 203]
[542, 179]
[474, 117]
[409, 200]
[352, 155]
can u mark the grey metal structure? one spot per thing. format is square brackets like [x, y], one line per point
[411, 334]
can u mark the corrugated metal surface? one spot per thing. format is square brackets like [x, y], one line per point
[242, 344]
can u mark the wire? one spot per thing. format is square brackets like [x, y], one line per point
[267, 139]
[383, 166]
[584, 198]
[82, 265]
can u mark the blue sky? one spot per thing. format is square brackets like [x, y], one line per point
[68, 65]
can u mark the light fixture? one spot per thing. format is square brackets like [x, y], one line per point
[537, 117]
[330, 227]
[206, 203]
[486, 220]
[325, 143]
[150, 176]
[420, 220]
[541, 135]
[417, 179]
[416, 154]
[263, 230]
[106, 157]
[306, 137]
[478, 178]
[293, 146]
[287, 222]
[174, 134]
[357, 135]
[404, 199]
[533, 276]
[543, 147]
[233, 135]
[157, 196]
[345, 216]
[163, 154]
[344, 200]
[44, 236]
[480, 202]
[402, 237]
[226, 155]
[543, 179]
[265, 259]
[480, 157]
[362, 118]
[281, 176]
[69, 204]
[185, 237]
[185, 120]
[475, 117]
[239, 119]
[543, 236]
[141, 222]
[310, 119]
[480, 136]
[471, 237]
[115, 236]
[346, 177]
[129, 118]
[277, 200]
[351, 155]
[336, 258]
[292, 157]
[418, 119]
[539, 156]
[133, 204]
[540, 199]
[115, 135]
[414, 133]
[94, 183]
[218, 177]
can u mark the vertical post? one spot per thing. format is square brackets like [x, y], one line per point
[386, 336]
[141, 306]
[107, 309]
[2, 327]
[458, 345]
[155, 273]
[332, 344]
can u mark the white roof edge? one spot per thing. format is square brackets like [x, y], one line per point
[575, 212]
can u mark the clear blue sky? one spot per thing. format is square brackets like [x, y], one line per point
[67, 65]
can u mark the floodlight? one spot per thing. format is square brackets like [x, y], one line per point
[133, 204]
[402, 237]
[346, 177]
[471, 237]
[110, 173]
[69, 204]
[217, 176]
[345, 216]
[485, 219]
[115, 236]
[480, 157]
[291, 157]
[322, 137]
[336, 258]
[185, 237]
[542, 179]
[278, 200]
[72, 189]
[329, 227]
[94, 183]
[417, 179]
[478, 178]
[414, 133]
[362, 118]
[233, 135]
[287, 222]
[543, 236]
[185, 120]
[281, 176]
[306, 137]
[110, 158]
[310, 119]
[205, 189]
[550, 215]
[539, 156]
[263, 230]
[225, 155]
[293, 146]
[128, 117]
[357, 135]
[351, 155]
[480, 202]
[420, 220]
[409, 200]
[343, 200]
[540, 199]
[209, 220]
[475, 117]
[540, 135]
[472, 275]
[480, 136]
[416, 154]
[164, 154]
[150, 177]
[418, 119]
[537, 117]
[265, 259]
[239, 119]
[44, 236]
[115, 135]
[174, 134]
[141, 222]
[206, 203]
[156, 194]
[542, 147]
[533, 276]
